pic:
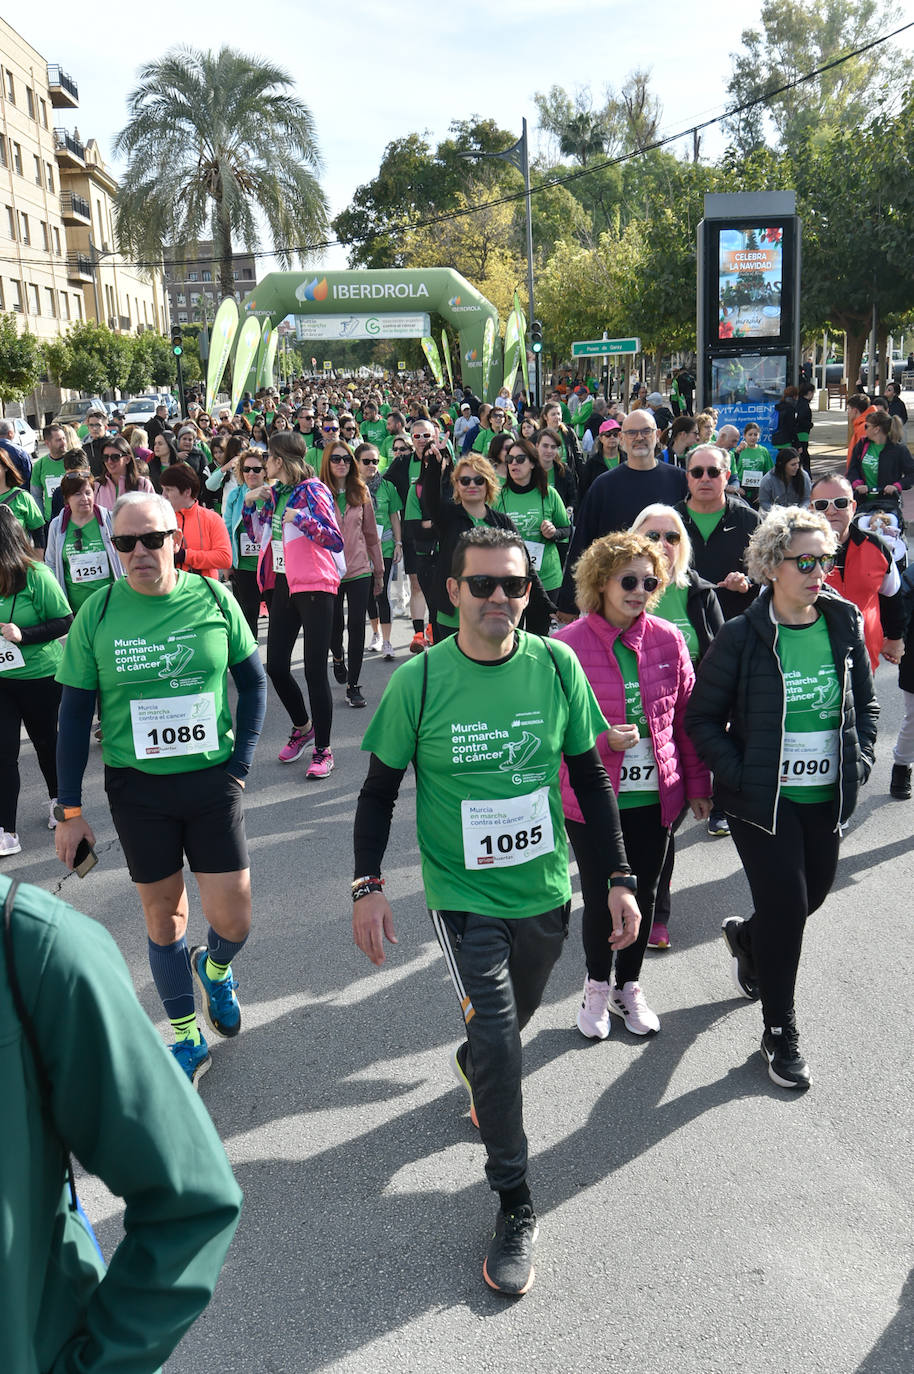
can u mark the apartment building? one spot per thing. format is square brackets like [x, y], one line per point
[192, 281]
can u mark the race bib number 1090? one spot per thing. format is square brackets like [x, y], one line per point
[500, 834]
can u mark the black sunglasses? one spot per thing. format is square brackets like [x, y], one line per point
[340, 458]
[252, 469]
[369, 462]
[807, 561]
[126, 543]
[655, 536]
[474, 481]
[700, 472]
[629, 582]
[481, 586]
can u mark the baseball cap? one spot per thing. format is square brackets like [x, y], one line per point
[655, 399]
[607, 425]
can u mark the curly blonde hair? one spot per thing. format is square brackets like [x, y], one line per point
[772, 538]
[605, 557]
[475, 462]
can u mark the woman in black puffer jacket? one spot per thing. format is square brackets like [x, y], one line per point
[784, 713]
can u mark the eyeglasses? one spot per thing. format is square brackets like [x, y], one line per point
[481, 586]
[369, 462]
[700, 472]
[340, 458]
[475, 481]
[518, 458]
[638, 433]
[629, 582]
[252, 469]
[126, 543]
[807, 561]
[839, 502]
[668, 536]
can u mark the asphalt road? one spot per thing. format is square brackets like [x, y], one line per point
[693, 1217]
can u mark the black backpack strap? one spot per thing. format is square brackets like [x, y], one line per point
[421, 702]
[558, 671]
[28, 1030]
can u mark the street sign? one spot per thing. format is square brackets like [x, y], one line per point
[598, 348]
[401, 366]
[328, 367]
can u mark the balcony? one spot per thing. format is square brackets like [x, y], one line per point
[70, 152]
[79, 267]
[62, 89]
[75, 210]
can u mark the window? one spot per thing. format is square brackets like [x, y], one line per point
[182, 299]
[34, 299]
[37, 162]
[56, 232]
[192, 276]
[79, 306]
[195, 298]
[16, 295]
[182, 319]
[10, 87]
[17, 158]
[52, 304]
[65, 305]
[49, 168]
[44, 112]
[30, 101]
[24, 228]
[11, 221]
[45, 241]
[3, 158]
[206, 276]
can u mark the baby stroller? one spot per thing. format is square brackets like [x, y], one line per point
[882, 515]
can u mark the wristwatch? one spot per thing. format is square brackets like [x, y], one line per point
[66, 813]
[625, 880]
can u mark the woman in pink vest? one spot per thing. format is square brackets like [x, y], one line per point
[641, 674]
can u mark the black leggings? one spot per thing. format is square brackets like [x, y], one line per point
[313, 613]
[662, 899]
[34, 703]
[645, 846]
[356, 594]
[248, 595]
[790, 874]
[379, 606]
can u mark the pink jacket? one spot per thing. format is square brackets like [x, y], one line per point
[309, 542]
[361, 545]
[667, 677]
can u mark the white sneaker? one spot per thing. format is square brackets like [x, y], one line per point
[593, 1013]
[628, 1002]
[9, 843]
[52, 820]
[376, 642]
[388, 649]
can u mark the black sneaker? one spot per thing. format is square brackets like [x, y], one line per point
[508, 1265]
[354, 696]
[781, 1052]
[737, 941]
[339, 669]
[900, 786]
[718, 825]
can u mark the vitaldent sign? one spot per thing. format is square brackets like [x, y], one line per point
[362, 326]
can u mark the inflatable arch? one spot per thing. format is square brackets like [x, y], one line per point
[385, 293]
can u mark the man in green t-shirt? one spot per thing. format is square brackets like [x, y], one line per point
[486, 718]
[155, 646]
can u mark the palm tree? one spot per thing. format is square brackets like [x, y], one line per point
[212, 139]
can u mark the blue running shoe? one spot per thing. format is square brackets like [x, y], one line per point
[219, 1001]
[194, 1059]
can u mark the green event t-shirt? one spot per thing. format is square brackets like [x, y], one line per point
[528, 510]
[23, 505]
[85, 562]
[870, 466]
[638, 779]
[47, 474]
[491, 737]
[751, 466]
[373, 431]
[41, 599]
[707, 522]
[159, 664]
[386, 502]
[809, 758]
[483, 441]
[672, 607]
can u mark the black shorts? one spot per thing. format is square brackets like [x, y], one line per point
[409, 557]
[160, 817]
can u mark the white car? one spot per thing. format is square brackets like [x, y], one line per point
[25, 436]
[140, 410]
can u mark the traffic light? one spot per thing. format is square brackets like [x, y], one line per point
[177, 341]
[536, 337]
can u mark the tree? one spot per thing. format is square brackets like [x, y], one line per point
[580, 131]
[91, 358]
[795, 39]
[21, 361]
[213, 139]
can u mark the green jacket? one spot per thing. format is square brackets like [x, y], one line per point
[124, 1109]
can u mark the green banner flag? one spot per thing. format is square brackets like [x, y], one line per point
[446, 352]
[512, 351]
[245, 351]
[221, 337]
[265, 337]
[488, 348]
[430, 349]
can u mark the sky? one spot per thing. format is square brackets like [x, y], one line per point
[372, 72]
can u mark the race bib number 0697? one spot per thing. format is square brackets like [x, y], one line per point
[500, 834]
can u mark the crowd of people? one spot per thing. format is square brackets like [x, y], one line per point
[619, 617]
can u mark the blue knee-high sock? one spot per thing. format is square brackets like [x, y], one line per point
[220, 953]
[171, 974]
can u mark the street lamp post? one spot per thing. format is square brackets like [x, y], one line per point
[519, 156]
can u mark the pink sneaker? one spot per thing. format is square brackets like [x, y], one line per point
[659, 937]
[298, 740]
[628, 1002]
[321, 765]
[593, 1013]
